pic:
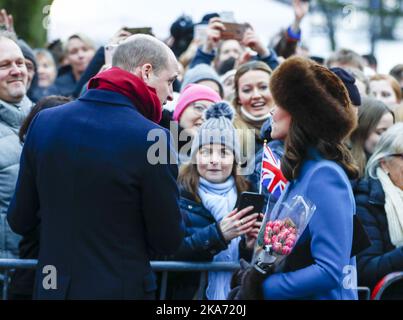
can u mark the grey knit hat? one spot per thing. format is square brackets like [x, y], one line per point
[218, 129]
[202, 72]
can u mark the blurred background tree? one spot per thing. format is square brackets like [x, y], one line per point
[29, 16]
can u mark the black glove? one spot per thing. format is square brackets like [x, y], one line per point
[246, 283]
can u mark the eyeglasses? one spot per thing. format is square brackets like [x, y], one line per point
[199, 108]
[398, 155]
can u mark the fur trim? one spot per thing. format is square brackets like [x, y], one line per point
[314, 96]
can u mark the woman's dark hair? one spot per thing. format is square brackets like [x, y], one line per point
[44, 103]
[322, 115]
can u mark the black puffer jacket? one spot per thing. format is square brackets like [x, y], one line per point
[381, 258]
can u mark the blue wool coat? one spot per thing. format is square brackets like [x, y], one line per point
[103, 209]
[330, 233]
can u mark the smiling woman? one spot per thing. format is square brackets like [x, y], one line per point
[253, 103]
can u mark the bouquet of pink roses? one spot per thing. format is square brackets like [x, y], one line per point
[280, 232]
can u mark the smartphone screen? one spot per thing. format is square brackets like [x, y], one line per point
[251, 199]
[200, 32]
[233, 31]
[145, 30]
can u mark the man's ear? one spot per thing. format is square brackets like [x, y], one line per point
[146, 71]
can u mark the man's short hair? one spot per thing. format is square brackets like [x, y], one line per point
[139, 50]
[344, 58]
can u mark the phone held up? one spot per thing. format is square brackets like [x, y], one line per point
[248, 199]
[233, 31]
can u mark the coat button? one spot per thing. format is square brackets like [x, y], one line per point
[190, 207]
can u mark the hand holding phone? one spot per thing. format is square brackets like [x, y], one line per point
[238, 223]
[233, 31]
[251, 199]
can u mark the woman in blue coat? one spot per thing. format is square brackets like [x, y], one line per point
[314, 114]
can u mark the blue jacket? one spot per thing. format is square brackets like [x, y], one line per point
[203, 240]
[330, 232]
[207, 58]
[65, 83]
[103, 208]
[382, 257]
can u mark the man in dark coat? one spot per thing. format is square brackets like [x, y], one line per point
[89, 179]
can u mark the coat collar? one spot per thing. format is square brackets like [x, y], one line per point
[188, 202]
[376, 193]
[107, 97]
[372, 188]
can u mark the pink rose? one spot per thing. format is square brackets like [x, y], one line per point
[286, 251]
[292, 237]
[282, 237]
[274, 239]
[289, 243]
[267, 240]
[276, 229]
[277, 247]
[286, 232]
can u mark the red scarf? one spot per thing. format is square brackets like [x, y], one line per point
[144, 98]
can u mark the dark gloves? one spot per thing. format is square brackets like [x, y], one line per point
[246, 283]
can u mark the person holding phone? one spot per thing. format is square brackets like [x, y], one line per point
[210, 188]
[217, 51]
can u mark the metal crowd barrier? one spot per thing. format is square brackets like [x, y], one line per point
[158, 266]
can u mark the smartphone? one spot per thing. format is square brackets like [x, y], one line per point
[200, 32]
[227, 16]
[251, 199]
[233, 31]
[109, 51]
[144, 30]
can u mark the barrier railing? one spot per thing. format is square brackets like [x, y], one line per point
[158, 266]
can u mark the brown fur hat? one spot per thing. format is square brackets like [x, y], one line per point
[315, 97]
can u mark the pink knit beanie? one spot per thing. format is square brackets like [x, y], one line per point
[191, 93]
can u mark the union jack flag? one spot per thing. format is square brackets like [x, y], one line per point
[271, 176]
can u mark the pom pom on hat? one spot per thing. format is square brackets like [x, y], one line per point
[221, 109]
[218, 129]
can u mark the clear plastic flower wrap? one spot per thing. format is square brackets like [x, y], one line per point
[280, 231]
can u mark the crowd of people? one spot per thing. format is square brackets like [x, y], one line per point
[78, 189]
